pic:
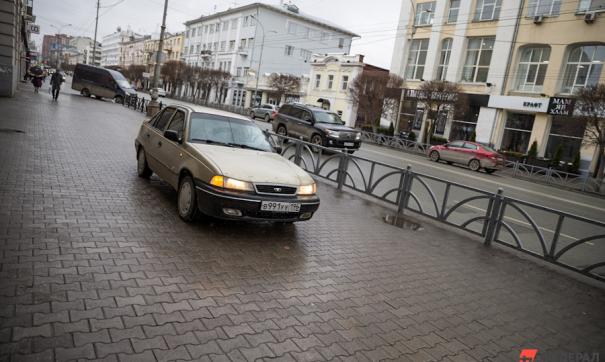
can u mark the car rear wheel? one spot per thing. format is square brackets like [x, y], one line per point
[252, 115]
[143, 169]
[267, 118]
[118, 99]
[434, 155]
[85, 92]
[474, 165]
[187, 200]
[317, 140]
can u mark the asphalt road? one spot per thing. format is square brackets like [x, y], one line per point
[529, 222]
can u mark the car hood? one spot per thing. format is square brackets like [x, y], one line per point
[254, 166]
[333, 127]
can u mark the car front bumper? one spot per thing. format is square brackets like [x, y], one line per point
[338, 143]
[213, 201]
[492, 164]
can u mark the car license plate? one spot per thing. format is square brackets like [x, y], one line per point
[349, 144]
[275, 206]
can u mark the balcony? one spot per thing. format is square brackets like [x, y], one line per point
[242, 51]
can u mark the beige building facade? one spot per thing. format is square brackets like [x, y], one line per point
[172, 49]
[514, 59]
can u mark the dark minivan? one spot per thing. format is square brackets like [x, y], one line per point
[101, 82]
[316, 125]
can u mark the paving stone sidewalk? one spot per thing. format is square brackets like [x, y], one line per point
[96, 264]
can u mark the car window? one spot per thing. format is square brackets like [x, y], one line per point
[306, 116]
[266, 106]
[285, 110]
[155, 118]
[163, 119]
[458, 144]
[227, 131]
[488, 149]
[470, 146]
[327, 117]
[296, 112]
[178, 123]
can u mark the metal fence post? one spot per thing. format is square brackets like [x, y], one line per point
[298, 153]
[493, 217]
[404, 190]
[343, 164]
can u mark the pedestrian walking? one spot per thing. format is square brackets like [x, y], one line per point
[37, 82]
[55, 82]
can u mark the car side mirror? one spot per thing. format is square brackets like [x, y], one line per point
[172, 135]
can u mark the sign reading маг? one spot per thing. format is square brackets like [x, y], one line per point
[560, 106]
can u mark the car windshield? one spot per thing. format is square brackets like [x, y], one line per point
[327, 117]
[488, 148]
[227, 131]
[123, 83]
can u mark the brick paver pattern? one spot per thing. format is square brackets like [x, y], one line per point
[96, 264]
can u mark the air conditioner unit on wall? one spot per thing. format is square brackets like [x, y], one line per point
[590, 17]
[538, 19]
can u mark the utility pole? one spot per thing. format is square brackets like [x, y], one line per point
[94, 43]
[153, 107]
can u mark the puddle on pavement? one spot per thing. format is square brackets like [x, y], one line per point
[402, 222]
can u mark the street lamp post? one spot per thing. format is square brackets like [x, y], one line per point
[59, 28]
[153, 107]
[260, 58]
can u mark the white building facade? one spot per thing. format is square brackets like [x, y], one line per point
[232, 41]
[84, 51]
[112, 53]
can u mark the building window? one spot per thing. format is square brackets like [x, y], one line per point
[289, 51]
[324, 36]
[345, 82]
[330, 81]
[197, 49]
[487, 10]
[591, 5]
[317, 80]
[234, 24]
[565, 133]
[452, 16]
[532, 69]
[226, 25]
[478, 57]
[231, 45]
[192, 32]
[341, 43]
[223, 45]
[441, 121]
[463, 129]
[583, 68]
[444, 58]
[205, 29]
[292, 28]
[543, 8]
[305, 54]
[246, 21]
[517, 132]
[424, 14]
[417, 59]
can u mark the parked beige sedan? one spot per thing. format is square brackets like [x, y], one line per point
[223, 166]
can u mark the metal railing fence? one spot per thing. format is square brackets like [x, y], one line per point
[567, 240]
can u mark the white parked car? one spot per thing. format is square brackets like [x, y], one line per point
[161, 91]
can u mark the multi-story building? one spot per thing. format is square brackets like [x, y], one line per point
[133, 52]
[84, 51]
[510, 58]
[260, 37]
[329, 81]
[53, 47]
[112, 53]
[559, 47]
[172, 49]
[14, 39]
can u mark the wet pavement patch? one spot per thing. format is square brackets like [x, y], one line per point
[402, 222]
[10, 130]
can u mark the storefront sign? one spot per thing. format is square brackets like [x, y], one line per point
[34, 29]
[421, 95]
[515, 103]
[559, 106]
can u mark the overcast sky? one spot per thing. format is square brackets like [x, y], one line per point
[375, 21]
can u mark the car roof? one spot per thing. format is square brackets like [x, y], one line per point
[208, 110]
[310, 107]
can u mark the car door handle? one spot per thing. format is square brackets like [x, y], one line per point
[147, 135]
[159, 143]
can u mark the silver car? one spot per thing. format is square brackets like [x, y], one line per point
[268, 112]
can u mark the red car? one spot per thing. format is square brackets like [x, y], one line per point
[475, 155]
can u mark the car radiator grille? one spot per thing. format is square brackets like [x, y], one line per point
[347, 136]
[276, 189]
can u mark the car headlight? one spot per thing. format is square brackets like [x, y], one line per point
[307, 189]
[231, 184]
[358, 136]
[333, 134]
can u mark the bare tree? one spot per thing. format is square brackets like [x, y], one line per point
[135, 73]
[171, 74]
[284, 84]
[590, 105]
[369, 91]
[440, 96]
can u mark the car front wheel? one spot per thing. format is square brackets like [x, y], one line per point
[434, 155]
[187, 200]
[317, 140]
[474, 165]
[252, 115]
[85, 92]
[267, 118]
[143, 169]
